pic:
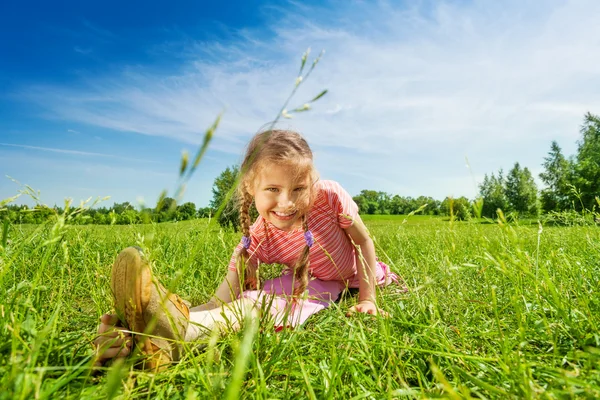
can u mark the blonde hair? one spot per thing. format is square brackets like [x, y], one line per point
[284, 148]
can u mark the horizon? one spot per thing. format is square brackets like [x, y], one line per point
[96, 103]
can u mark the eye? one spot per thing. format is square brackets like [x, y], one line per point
[300, 189]
[272, 189]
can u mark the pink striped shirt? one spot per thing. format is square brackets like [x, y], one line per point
[331, 257]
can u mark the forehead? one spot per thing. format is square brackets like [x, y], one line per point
[274, 173]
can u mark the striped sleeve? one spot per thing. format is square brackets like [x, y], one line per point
[341, 203]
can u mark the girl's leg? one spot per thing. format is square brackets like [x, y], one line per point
[276, 299]
[227, 317]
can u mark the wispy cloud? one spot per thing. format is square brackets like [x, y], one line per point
[97, 30]
[412, 90]
[74, 152]
[81, 50]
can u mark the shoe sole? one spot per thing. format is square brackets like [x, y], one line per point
[126, 286]
[130, 282]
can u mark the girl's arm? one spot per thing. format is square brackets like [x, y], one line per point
[366, 263]
[227, 291]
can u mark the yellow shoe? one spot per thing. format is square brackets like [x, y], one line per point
[159, 318]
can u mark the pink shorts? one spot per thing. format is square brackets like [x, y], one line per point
[275, 296]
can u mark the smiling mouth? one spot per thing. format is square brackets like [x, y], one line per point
[284, 216]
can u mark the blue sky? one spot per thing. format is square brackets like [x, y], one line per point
[100, 99]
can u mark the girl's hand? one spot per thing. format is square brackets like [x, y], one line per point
[113, 341]
[367, 307]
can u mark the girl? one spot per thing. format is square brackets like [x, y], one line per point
[309, 225]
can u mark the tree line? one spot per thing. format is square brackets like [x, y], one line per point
[572, 184]
[119, 214]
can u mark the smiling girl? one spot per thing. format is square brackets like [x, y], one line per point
[310, 226]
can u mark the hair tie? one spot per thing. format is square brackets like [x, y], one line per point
[308, 236]
[246, 242]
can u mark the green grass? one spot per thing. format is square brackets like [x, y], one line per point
[380, 220]
[490, 313]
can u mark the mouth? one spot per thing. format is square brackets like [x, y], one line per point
[284, 216]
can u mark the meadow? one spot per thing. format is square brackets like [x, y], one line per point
[494, 310]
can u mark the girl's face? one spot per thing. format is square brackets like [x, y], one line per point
[280, 196]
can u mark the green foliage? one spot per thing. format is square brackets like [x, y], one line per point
[587, 167]
[129, 217]
[119, 208]
[368, 202]
[166, 205]
[371, 202]
[571, 185]
[521, 191]
[574, 184]
[557, 177]
[571, 218]
[204, 212]
[492, 191]
[185, 211]
[458, 209]
[224, 184]
[119, 214]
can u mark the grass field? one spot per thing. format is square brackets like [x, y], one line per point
[493, 311]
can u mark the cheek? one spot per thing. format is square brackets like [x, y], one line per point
[262, 203]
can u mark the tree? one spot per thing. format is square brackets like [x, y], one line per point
[120, 207]
[397, 205]
[587, 167]
[557, 178]
[361, 202]
[521, 191]
[222, 184]
[383, 203]
[99, 219]
[432, 205]
[365, 206]
[146, 215]
[459, 209]
[165, 209]
[368, 201]
[128, 217]
[186, 211]
[493, 194]
[230, 215]
[204, 212]
[167, 204]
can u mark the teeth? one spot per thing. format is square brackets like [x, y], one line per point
[284, 214]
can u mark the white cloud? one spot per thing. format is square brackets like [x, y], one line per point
[73, 152]
[411, 90]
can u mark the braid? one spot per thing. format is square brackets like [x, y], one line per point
[301, 267]
[247, 273]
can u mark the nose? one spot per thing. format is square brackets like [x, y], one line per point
[285, 200]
